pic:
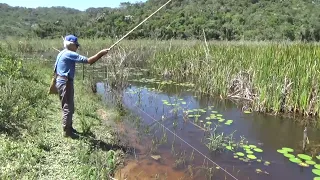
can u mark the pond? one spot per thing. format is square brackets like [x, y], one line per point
[193, 136]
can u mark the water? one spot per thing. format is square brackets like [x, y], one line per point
[265, 131]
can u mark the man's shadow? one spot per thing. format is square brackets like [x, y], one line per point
[99, 144]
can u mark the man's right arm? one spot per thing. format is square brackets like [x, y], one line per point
[97, 56]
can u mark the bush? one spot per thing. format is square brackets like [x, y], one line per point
[22, 97]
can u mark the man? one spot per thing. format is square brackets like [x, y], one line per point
[65, 71]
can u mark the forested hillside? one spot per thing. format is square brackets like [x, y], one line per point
[181, 19]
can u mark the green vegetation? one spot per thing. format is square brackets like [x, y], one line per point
[181, 19]
[32, 145]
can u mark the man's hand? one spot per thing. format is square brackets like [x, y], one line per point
[101, 53]
[104, 51]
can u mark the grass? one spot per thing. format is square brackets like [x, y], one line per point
[31, 141]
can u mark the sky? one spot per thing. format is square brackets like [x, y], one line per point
[77, 4]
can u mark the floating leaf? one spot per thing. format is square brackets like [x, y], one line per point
[240, 153]
[316, 171]
[221, 120]
[190, 115]
[214, 112]
[287, 149]
[247, 112]
[316, 178]
[266, 163]
[304, 157]
[289, 155]
[209, 122]
[303, 164]
[252, 146]
[183, 103]
[281, 151]
[246, 147]
[258, 160]
[258, 150]
[229, 121]
[236, 157]
[258, 171]
[229, 148]
[317, 166]
[219, 115]
[295, 160]
[249, 152]
[318, 157]
[207, 118]
[311, 162]
[250, 156]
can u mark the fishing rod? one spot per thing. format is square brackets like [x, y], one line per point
[139, 24]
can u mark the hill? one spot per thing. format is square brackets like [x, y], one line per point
[181, 19]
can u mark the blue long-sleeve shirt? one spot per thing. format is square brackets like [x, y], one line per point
[66, 64]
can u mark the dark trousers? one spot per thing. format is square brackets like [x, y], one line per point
[66, 96]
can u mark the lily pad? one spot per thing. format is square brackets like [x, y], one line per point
[316, 171]
[240, 153]
[316, 178]
[249, 152]
[281, 151]
[318, 157]
[304, 157]
[303, 164]
[258, 160]
[289, 155]
[250, 156]
[229, 148]
[219, 115]
[246, 147]
[236, 157]
[311, 162]
[295, 160]
[317, 166]
[258, 150]
[252, 146]
[246, 112]
[287, 149]
[214, 112]
[258, 171]
[209, 122]
[266, 163]
[221, 120]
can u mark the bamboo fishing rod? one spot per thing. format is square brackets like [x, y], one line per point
[139, 25]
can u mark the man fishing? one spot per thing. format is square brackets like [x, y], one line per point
[65, 71]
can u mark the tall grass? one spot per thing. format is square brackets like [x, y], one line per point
[285, 77]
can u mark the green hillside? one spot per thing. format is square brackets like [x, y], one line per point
[181, 19]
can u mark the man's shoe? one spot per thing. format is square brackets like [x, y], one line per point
[73, 130]
[67, 132]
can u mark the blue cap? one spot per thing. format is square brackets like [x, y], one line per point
[72, 38]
